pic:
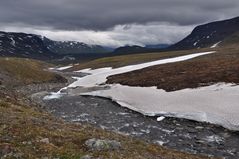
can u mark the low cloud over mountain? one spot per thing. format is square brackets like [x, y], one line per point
[113, 22]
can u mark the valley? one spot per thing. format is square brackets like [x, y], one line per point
[28, 131]
[68, 99]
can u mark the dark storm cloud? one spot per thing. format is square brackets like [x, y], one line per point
[105, 14]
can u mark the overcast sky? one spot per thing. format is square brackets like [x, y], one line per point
[113, 22]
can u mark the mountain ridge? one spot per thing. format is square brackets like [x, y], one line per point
[13, 44]
[207, 35]
[72, 47]
[23, 45]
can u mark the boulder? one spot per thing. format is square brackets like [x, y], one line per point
[102, 145]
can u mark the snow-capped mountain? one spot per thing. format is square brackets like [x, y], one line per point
[35, 46]
[23, 45]
[72, 47]
[209, 35]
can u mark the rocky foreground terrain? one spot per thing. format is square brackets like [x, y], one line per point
[27, 131]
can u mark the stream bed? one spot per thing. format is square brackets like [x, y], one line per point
[180, 134]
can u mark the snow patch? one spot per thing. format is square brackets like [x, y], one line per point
[60, 68]
[217, 104]
[59, 94]
[95, 71]
[53, 95]
[63, 68]
[13, 42]
[215, 45]
[99, 76]
[195, 44]
[160, 118]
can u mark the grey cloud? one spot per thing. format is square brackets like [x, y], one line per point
[105, 14]
[151, 33]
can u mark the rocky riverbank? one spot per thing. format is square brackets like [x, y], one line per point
[27, 131]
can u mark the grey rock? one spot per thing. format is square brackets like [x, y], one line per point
[45, 140]
[5, 150]
[102, 145]
[18, 155]
[86, 157]
[199, 127]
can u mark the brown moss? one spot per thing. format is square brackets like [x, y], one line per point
[24, 126]
[119, 61]
[27, 71]
[222, 66]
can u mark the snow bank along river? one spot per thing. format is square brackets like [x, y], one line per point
[217, 104]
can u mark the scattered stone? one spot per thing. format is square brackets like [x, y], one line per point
[187, 135]
[102, 145]
[6, 138]
[18, 155]
[192, 130]
[200, 142]
[199, 127]
[5, 149]
[26, 142]
[45, 140]
[214, 138]
[86, 157]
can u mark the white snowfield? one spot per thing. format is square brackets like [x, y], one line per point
[99, 76]
[217, 104]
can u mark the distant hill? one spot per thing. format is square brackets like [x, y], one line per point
[129, 49]
[157, 46]
[210, 35]
[139, 49]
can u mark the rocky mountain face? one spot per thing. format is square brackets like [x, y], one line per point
[34, 46]
[209, 35]
[72, 47]
[38, 47]
[23, 45]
